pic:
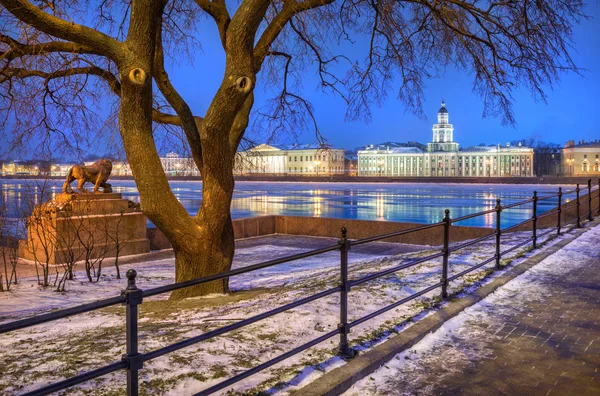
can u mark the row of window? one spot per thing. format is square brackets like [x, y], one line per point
[446, 171]
[503, 158]
[460, 166]
[596, 167]
[310, 158]
[334, 169]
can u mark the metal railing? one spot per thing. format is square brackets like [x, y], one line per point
[133, 361]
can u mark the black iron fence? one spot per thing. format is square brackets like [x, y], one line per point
[132, 296]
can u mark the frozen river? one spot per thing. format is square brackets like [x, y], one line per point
[416, 203]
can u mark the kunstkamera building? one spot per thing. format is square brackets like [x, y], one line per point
[442, 157]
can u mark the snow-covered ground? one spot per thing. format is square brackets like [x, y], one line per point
[38, 355]
[463, 340]
[27, 298]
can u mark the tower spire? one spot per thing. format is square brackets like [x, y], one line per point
[443, 108]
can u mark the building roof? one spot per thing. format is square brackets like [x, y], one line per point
[443, 108]
[306, 147]
[481, 148]
[396, 150]
[406, 150]
[394, 145]
[291, 147]
[264, 147]
[582, 144]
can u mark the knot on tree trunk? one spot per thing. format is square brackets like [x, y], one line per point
[137, 76]
[244, 84]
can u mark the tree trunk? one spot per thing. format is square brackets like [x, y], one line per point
[203, 244]
[213, 252]
[213, 255]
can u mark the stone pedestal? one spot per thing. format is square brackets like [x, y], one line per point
[73, 225]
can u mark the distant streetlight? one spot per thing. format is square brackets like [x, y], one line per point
[317, 163]
[380, 163]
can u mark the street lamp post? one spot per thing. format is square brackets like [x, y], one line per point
[380, 163]
[317, 163]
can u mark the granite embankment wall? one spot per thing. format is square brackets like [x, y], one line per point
[568, 210]
[326, 227]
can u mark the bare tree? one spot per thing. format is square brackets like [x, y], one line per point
[58, 59]
[40, 220]
[92, 239]
[119, 235]
[69, 251]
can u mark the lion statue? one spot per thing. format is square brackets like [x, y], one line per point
[96, 173]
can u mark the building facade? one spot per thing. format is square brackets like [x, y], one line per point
[59, 169]
[175, 165]
[442, 157]
[16, 168]
[581, 159]
[302, 160]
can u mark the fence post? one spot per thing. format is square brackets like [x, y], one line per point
[590, 217]
[446, 251]
[498, 232]
[344, 350]
[535, 200]
[134, 297]
[559, 210]
[577, 205]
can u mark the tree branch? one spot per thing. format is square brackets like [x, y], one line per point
[18, 49]
[51, 25]
[190, 124]
[278, 23]
[218, 10]
[20, 73]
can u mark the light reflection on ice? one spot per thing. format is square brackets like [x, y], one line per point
[415, 203]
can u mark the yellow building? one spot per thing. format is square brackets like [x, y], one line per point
[16, 168]
[305, 159]
[581, 159]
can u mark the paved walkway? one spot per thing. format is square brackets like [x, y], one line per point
[537, 335]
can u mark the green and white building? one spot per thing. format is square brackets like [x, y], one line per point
[442, 157]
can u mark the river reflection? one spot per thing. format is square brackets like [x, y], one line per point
[416, 203]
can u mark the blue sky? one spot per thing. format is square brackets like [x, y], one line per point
[570, 112]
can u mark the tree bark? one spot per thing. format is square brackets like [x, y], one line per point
[213, 255]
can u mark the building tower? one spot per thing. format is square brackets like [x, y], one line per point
[443, 133]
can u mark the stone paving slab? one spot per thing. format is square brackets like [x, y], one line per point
[542, 342]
